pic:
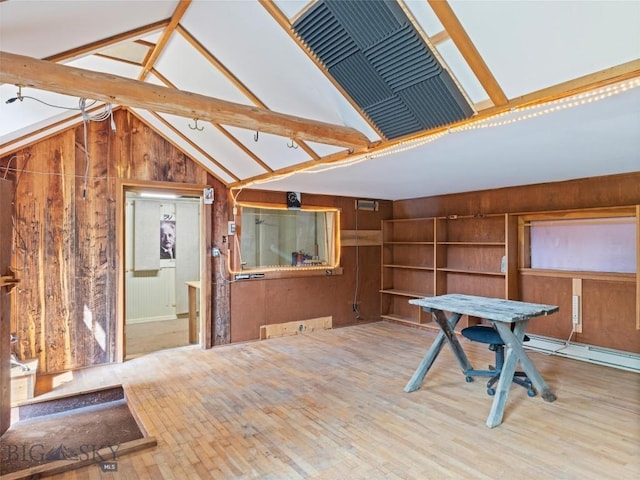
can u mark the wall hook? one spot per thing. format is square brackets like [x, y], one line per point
[255, 136]
[195, 127]
[292, 144]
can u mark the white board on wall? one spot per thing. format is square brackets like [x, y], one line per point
[146, 247]
[187, 250]
[598, 245]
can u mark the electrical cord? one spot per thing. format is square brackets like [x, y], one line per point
[106, 114]
[566, 344]
[356, 310]
[86, 118]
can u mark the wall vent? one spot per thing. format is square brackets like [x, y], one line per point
[374, 52]
[369, 205]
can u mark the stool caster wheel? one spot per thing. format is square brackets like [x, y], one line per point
[468, 379]
[531, 392]
[491, 391]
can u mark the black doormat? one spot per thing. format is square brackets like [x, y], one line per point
[69, 432]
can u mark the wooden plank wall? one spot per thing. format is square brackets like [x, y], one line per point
[609, 307]
[65, 247]
[6, 193]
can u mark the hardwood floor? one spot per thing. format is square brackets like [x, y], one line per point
[330, 405]
[143, 338]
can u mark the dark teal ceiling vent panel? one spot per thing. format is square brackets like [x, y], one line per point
[374, 52]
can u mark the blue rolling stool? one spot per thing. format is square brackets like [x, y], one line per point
[489, 335]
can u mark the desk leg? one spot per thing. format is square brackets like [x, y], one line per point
[446, 329]
[504, 384]
[447, 326]
[192, 315]
[514, 342]
[515, 353]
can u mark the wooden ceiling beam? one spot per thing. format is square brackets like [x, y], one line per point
[114, 89]
[164, 38]
[467, 49]
[107, 42]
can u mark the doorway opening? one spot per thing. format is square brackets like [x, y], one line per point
[163, 240]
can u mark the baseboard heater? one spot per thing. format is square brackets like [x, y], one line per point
[588, 353]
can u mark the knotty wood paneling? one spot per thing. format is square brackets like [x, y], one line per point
[65, 249]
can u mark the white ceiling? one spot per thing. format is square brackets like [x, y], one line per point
[527, 45]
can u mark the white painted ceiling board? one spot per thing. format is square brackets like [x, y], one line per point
[189, 71]
[42, 28]
[272, 149]
[550, 148]
[527, 45]
[263, 57]
[214, 142]
[531, 45]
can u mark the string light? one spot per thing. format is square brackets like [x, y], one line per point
[522, 113]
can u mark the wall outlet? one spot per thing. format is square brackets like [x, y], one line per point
[232, 228]
[575, 309]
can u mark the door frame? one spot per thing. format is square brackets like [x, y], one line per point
[194, 190]
[6, 229]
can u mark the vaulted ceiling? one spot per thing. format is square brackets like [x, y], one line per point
[386, 100]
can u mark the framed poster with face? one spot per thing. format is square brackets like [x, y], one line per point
[167, 239]
[293, 201]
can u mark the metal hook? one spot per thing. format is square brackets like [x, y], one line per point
[196, 126]
[255, 137]
[292, 144]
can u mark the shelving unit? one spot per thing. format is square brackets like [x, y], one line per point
[408, 250]
[423, 257]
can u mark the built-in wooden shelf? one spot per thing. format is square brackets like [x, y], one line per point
[404, 293]
[412, 267]
[438, 255]
[471, 272]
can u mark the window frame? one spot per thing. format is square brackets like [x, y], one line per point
[331, 268]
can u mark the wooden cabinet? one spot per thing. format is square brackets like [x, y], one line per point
[433, 256]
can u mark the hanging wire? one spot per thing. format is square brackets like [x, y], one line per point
[83, 107]
[86, 118]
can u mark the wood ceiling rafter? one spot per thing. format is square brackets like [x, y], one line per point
[236, 82]
[246, 91]
[440, 37]
[603, 78]
[286, 25]
[164, 38]
[107, 42]
[222, 130]
[190, 142]
[31, 72]
[467, 49]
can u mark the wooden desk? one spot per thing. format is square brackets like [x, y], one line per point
[193, 285]
[502, 313]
